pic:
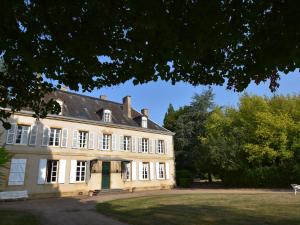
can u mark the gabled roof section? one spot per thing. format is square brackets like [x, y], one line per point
[87, 108]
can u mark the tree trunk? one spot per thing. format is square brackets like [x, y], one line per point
[209, 177]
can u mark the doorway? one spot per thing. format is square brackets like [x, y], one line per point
[105, 175]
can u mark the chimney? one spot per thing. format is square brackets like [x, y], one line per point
[145, 112]
[127, 106]
[103, 97]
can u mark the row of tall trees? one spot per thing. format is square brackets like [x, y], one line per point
[254, 144]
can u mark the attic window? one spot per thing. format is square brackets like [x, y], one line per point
[61, 103]
[106, 115]
[144, 122]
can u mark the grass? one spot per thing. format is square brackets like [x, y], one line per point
[206, 209]
[12, 217]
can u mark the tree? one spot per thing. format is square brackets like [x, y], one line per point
[188, 123]
[91, 44]
[256, 144]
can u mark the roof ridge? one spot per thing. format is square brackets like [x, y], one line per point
[91, 97]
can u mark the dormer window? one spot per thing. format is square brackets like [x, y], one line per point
[106, 115]
[144, 122]
[61, 103]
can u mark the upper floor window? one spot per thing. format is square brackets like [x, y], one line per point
[22, 134]
[126, 143]
[55, 134]
[106, 142]
[83, 139]
[106, 115]
[160, 146]
[145, 144]
[144, 122]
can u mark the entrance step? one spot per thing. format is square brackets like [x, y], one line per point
[106, 191]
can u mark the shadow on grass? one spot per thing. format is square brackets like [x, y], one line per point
[180, 214]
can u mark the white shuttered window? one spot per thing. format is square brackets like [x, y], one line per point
[17, 172]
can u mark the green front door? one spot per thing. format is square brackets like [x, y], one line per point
[105, 175]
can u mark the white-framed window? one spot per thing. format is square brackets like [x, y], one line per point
[52, 171]
[145, 145]
[161, 173]
[106, 115]
[127, 141]
[80, 171]
[106, 141]
[144, 122]
[22, 134]
[145, 171]
[61, 103]
[54, 138]
[83, 139]
[160, 146]
[127, 171]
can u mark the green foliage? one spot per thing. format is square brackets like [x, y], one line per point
[258, 142]
[184, 178]
[47, 44]
[188, 123]
[4, 158]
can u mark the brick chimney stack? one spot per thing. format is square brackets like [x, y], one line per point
[127, 106]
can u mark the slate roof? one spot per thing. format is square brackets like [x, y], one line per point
[87, 108]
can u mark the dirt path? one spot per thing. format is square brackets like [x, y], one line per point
[81, 210]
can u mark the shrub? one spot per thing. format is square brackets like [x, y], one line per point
[184, 178]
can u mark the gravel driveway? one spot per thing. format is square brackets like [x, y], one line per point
[81, 210]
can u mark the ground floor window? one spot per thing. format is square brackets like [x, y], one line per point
[52, 171]
[80, 171]
[127, 171]
[145, 171]
[161, 174]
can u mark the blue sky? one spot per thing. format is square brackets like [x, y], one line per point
[156, 96]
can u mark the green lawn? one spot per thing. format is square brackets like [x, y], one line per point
[207, 209]
[11, 217]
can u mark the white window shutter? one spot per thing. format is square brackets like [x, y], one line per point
[46, 135]
[10, 138]
[25, 135]
[157, 170]
[150, 145]
[121, 142]
[91, 140]
[33, 134]
[133, 172]
[64, 139]
[62, 171]
[166, 147]
[151, 171]
[73, 171]
[100, 141]
[140, 144]
[133, 144]
[117, 142]
[17, 172]
[113, 142]
[140, 171]
[167, 170]
[75, 139]
[42, 171]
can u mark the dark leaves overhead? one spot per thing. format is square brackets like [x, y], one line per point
[200, 42]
